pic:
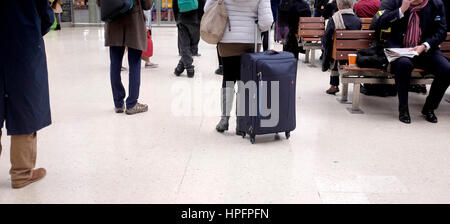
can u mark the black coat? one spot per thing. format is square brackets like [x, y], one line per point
[447, 14]
[432, 22]
[23, 65]
[352, 22]
[318, 4]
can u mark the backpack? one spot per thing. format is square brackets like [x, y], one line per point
[113, 9]
[214, 23]
[187, 5]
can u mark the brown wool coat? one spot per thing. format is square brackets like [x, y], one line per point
[129, 30]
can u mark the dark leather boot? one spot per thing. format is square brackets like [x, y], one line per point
[404, 114]
[429, 115]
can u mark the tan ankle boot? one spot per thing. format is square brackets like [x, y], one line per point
[38, 174]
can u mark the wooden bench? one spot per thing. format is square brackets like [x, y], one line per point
[310, 32]
[349, 42]
[366, 23]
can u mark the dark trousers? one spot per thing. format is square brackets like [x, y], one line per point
[265, 40]
[134, 61]
[292, 45]
[188, 39]
[231, 69]
[218, 56]
[435, 63]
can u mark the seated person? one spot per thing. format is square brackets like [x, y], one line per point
[418, 24]
[447, 13]
[367, 8]
[344, 19]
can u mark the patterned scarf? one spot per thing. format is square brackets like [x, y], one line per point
[414, 33]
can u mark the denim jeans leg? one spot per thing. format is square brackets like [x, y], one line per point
[118, 91]
[134, 60]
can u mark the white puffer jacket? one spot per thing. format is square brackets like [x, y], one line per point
[242, 14]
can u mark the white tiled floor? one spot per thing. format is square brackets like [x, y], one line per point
[95, 156]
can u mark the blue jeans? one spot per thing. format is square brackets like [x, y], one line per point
[134, 60]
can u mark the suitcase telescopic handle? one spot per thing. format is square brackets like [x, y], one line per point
[256, 35]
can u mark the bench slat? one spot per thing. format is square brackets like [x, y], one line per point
[365, 26]
[309, 39]
[356, 68]
[311, 33]
[343, 55]
[312, 20]
[353, 44]
[445, 46]
[447, 55]
[312, 26]
[366, 20]
[355, 34]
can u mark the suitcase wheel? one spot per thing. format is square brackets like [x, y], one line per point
[252, 139]
[243, 134]
[288, 135]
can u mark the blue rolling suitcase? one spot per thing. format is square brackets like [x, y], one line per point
[275, 76]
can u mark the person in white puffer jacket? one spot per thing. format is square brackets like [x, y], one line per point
[238, 40]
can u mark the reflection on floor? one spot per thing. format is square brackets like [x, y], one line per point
[172, 154]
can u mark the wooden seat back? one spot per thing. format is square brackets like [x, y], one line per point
[366, 23]
[350, 41]
[445, 46]
[311, 28]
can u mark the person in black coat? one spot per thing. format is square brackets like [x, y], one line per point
[188, 24]
[447, 14]
[330, 8]
[349, 22]
[430, 19]
[298, 9]
[24, 101]
[319, 7]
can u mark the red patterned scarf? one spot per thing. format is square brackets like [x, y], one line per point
[414, 33]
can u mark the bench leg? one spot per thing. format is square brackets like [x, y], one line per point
[344, 95]
[313, 56]
[355, 104]
[307, 56]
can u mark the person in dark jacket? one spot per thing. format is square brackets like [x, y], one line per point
[298, 9]
[330, 8]
[319, 7]
[188, 24]
[421, 25]
[128, 31]
[344, 19]
[25, 104]
[447, 13]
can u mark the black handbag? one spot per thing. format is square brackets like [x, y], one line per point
[113, 9]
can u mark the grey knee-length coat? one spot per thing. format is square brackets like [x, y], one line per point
[130, 29]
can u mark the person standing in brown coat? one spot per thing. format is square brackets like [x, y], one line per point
[128, 31]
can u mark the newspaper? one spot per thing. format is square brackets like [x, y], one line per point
[393, 54]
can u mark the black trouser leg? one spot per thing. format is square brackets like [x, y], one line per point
[403, 68]
[231, 69]
[195, 37]
[438, 65]
[185, 46]
[265, 39]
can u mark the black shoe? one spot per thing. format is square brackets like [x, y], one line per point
[429, 116]
[404, 114]
[219, 71]
[190, 73]
[178, 71]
